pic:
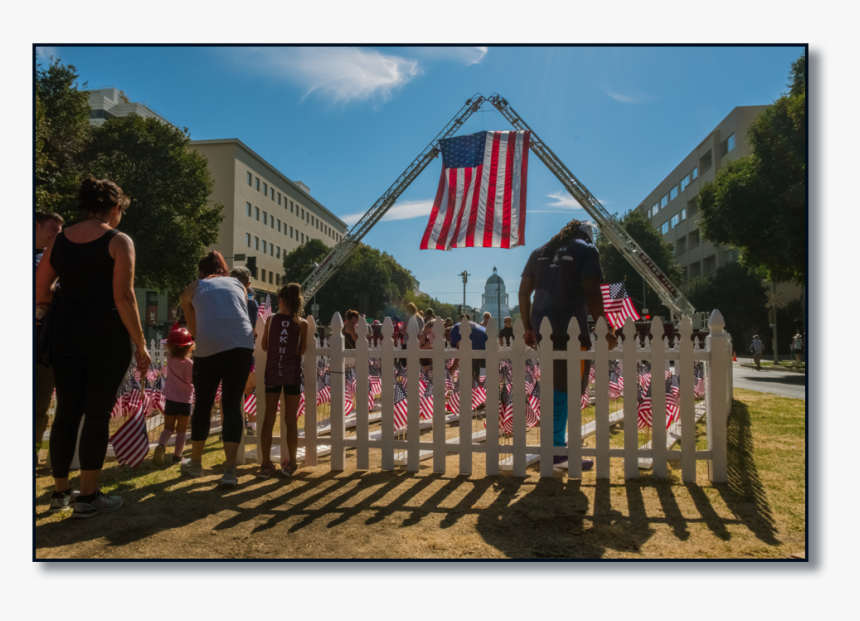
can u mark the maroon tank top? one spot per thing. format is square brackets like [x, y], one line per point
[283, 362]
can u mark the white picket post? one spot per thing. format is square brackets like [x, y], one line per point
[601, 399]
[631, 411]
[362, 389]
[387, 422]
[687, 402]
[260, 387]
[574, 397]
[717, 379]
[492, 406]
[658, 399]
[338, 394]
[439, 389]
[546, 430]
[465, 356]
[310, 376]
[413, 396]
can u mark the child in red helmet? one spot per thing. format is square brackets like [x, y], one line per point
[178, 393]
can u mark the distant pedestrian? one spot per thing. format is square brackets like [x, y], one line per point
[797, 346]
[478, 336]
[178, 394]
[506, 334]
[757, 348]
[350, 333]
[486, 319]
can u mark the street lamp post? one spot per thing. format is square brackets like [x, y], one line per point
[465, 276]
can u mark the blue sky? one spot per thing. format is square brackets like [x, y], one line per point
[348, 121]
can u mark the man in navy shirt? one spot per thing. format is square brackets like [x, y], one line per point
[565, 276]
[478, 336]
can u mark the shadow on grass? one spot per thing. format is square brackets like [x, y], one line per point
[744, 494]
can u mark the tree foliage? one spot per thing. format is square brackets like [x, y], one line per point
[170, 219]
[757, 203]
[63, 133]
[369, 272]
[617, 269]
[739, 295]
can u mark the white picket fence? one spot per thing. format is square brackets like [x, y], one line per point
[518, 455]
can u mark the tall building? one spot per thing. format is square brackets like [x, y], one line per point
[671, 206]
[495, 299]
[266, 214]
[109, 103]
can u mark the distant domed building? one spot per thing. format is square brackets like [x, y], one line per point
[495, 299]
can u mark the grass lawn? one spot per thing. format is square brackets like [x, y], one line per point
[759, 513]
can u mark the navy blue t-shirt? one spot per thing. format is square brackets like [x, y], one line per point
[558, 285]
[478, 335]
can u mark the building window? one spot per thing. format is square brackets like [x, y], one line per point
[695, 270]
[695, 174]
[303, 214]
[655, 209]
[291, 206]
[257, 213]
[279, 226]
[728, 145]
[676, 220]
[673, 193]
[731, 255]
[249, 209]
[256, 243]
[272, 249]
[685, 182]
[265, 188]
[692, 206]
[265, 216]
[264, 246]
[272, 222]
[664, 201]
[273, 193]
[279, 198]
[270, 277]
[665, 228]
[705, 161]
[681, 245]
[249, 179]
[303, 237]
[278, 279]
[683, 214]
[248, 239]
[258, 183]
[278, 252]
[263, 275]
[710, 264]
[291, 232]
[693, 238]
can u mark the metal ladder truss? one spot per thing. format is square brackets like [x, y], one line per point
[608, 224]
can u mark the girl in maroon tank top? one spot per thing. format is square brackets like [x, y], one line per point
[284, 341]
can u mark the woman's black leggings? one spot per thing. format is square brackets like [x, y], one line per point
[86, 385]
[229, 368]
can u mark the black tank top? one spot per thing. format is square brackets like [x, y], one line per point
[87, 320]
[283, 362]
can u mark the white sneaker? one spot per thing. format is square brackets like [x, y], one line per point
[194, 469]
[229, 477]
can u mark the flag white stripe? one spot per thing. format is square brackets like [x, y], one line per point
[499, 202]
[516, 183]
[440, 216]
[485, 183]
[460, 242]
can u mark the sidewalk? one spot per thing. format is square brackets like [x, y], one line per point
[785, 364]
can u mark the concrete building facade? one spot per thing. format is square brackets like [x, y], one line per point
[266, 214]
[671, 206]
[108, 103]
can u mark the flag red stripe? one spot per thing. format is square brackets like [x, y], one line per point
[473, 212]
[506, 201]
[489, 215]
[435, 212]
[521, 235]
[442, 242]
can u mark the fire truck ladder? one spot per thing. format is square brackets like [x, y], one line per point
[672, 297]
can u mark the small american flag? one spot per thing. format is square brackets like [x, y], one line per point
[506, 410]
[479, 395]
[265, 310]
[616, 380]
[699, 380]
[400, 413]
[426, 400]
[251, 403]
[533, 409]
[324, 387]
[481, 200]
[130, 442]
[617, 305]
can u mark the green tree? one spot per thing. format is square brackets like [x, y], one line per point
[617, 269]
[170, 219]
[367, 271]
[63, 133]
[757, 203]
[739, 295]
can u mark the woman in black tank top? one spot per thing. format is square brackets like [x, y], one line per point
[91, 339]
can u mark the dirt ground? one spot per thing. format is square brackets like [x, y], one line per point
[371, 514]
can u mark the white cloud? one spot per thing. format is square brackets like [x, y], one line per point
[400, 211]
[464, 55]
[564, 201]
[338, 73]
[45, 53]
[637, 98]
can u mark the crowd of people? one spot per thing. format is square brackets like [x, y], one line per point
[88, 330]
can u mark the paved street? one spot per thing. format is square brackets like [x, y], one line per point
[783, 383]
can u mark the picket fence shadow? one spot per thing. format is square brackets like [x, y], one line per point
[517, 456]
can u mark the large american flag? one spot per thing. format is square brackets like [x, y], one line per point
[617, 304]
[481, 200]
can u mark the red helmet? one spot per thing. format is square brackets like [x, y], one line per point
[179, 336]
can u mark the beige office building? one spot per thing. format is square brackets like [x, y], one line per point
[266, 214]
[671, 206]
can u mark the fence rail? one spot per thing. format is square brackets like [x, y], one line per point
[683, 351]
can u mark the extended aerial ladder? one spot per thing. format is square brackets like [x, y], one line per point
[608, 224]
